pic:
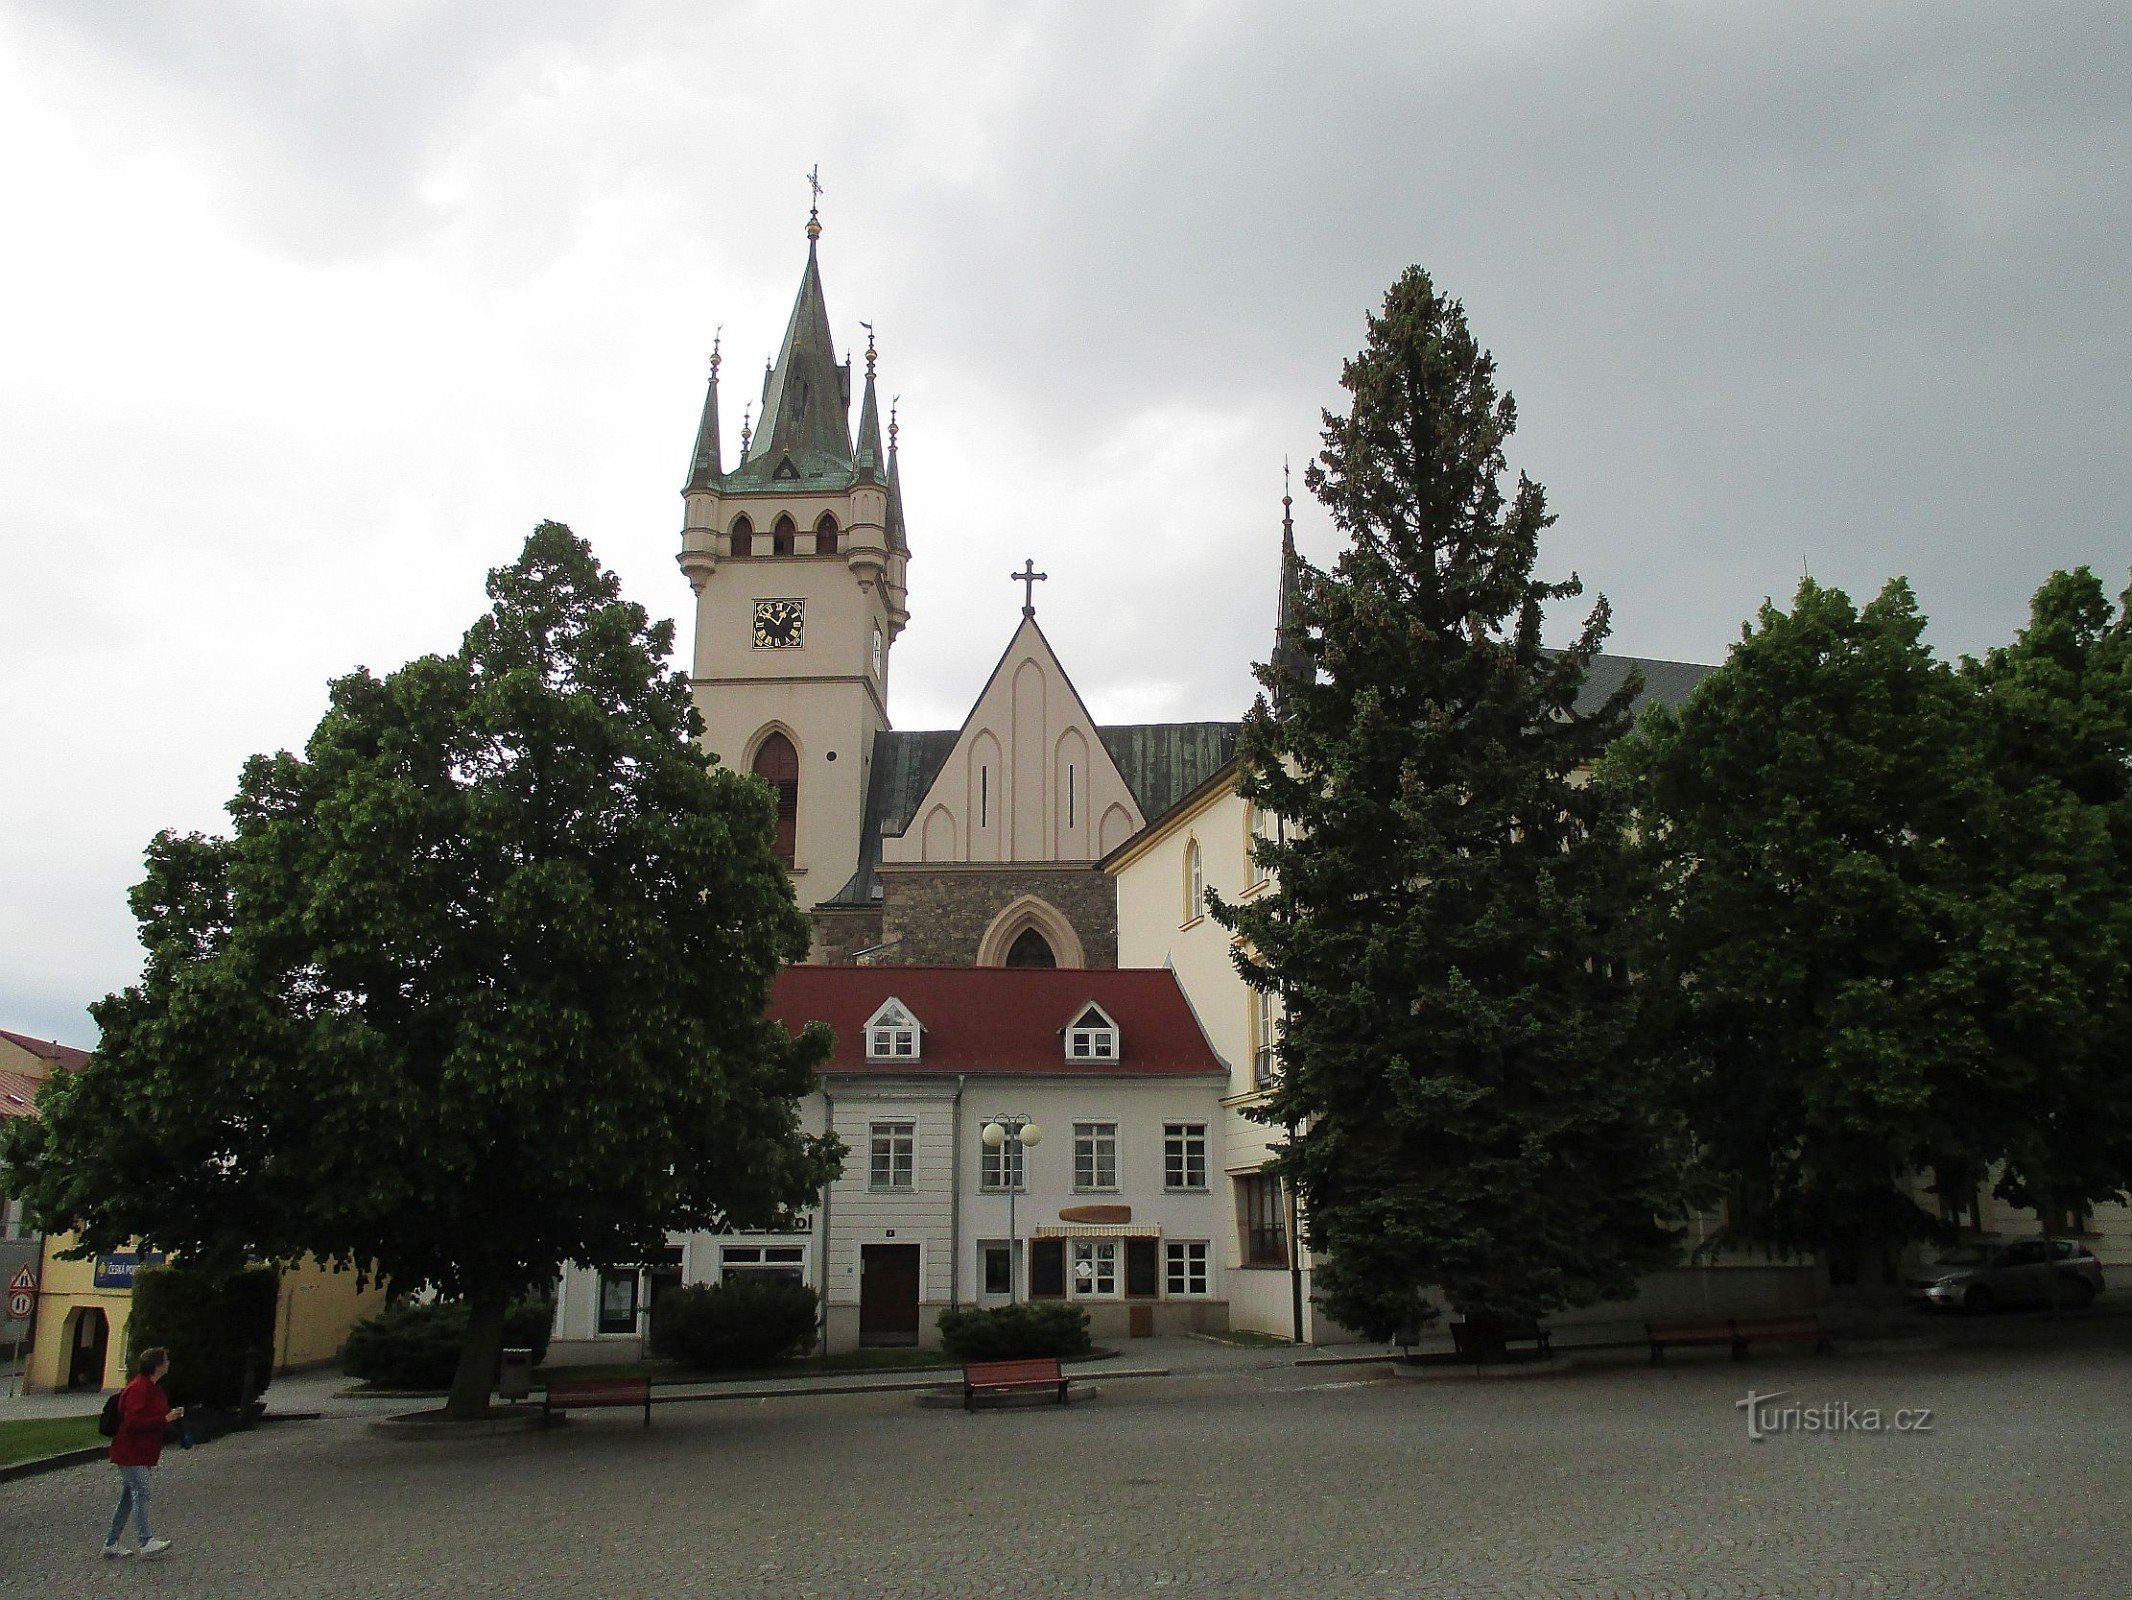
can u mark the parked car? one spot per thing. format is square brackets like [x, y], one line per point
[1982, 1277]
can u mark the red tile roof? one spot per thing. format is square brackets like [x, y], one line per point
[60, 1055]
[1002, 1021]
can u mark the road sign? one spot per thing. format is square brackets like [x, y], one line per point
[20, 1303]
[23, 1282]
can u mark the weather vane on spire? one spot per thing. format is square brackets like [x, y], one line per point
[814, 207]
[869, 327]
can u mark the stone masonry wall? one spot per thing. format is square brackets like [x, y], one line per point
[939, 917]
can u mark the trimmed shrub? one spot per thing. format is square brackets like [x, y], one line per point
[1009, 1333]
[750, 1320]
[217, 1326]
[410, 1345]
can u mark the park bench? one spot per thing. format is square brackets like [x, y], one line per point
[1736, 1333]
[1482, 1340]
[580, 1394]
[1011, 1377]
[1783, 1327]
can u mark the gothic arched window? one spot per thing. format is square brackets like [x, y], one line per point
[777, 764]
[783, 537]
[743, 537]
[825, 535]
[1032, 949]
[1195, 881]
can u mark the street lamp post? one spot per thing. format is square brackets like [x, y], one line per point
[1026, 1136]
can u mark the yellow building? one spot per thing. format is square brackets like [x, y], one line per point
[84, 1307]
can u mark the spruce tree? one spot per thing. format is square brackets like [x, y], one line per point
[1458, 1065]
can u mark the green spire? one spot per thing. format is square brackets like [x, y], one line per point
[704, 469]
[1288, 661]
[870, 452]
[895, 489]
[805, 428]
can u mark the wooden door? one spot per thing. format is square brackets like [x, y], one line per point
[888, 1294]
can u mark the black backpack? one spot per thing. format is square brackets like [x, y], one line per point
[107, 1424]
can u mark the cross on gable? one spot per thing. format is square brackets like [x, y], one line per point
[1028, 578]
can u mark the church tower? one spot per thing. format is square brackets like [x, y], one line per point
[797, 556]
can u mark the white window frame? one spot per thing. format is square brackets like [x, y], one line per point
[1181, 1142]
[1265, 1030]
[1195, 882]
[886, 1129]
[1105, 1258]
[893, 1033]
[1091, 1041]
[1185, 1263]
[1095, 1145]
[1005, 1170]
[746, 1258]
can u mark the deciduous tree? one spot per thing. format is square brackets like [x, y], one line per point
[474, 987]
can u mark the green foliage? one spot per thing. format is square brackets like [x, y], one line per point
[1458, 1066]
[474, 988]
[217, 1326]
[1008, 1333]
[1887, 923]
[413, 1345]
[748, 1321]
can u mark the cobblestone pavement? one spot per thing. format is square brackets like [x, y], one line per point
[1614, 1482]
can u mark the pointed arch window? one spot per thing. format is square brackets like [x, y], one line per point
[784, 537]
[825, 535]
[743, 537]
[777, 764]
[1195, 882]
[1031, 949]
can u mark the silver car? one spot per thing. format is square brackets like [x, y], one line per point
[1982, 1277]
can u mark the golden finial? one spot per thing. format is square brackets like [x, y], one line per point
[893, 401]
[814, 209]
[746, 413]
[869, 327]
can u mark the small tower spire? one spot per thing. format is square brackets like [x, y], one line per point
[747, 413]
[896, 538]
[705, 468]
[1288, 662]
[814, 208]
[870, 452]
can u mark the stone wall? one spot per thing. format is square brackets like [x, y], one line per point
[839, 936]
[937, 917]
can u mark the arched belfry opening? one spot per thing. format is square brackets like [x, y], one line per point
[1030, 949]
[777, 764]
[784, 537]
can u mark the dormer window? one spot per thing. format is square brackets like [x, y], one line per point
[1092, 1036]
[892, 1033]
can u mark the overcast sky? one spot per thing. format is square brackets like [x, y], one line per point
[308, 312]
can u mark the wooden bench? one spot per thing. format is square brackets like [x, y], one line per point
[1737, 1333]
[1011, 1377]
[1470, 1339]
[1783, 1327]
[1699, 1331]
[584, 1394]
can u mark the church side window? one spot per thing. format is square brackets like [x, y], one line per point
[1263, 1034]
[1195, 882]
[777, 764]
[1263, 1220]
[784, 537]
[825, 535]
[1031, 949]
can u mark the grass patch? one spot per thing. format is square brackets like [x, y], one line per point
[1251, 1339]
[27, 1438]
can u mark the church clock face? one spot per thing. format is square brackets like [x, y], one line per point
[780, 624]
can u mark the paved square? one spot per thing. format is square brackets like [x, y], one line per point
[1270, 1480]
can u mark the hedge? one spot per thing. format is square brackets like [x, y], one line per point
[218, 1328]
[750, 1320]
[415, 1345]
[1008, 1333]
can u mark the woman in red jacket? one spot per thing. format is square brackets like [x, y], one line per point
[143, 1413]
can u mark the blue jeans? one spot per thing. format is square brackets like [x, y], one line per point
[132, 1491]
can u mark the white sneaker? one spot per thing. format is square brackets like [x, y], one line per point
[116, 1552]
[154, 1548]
